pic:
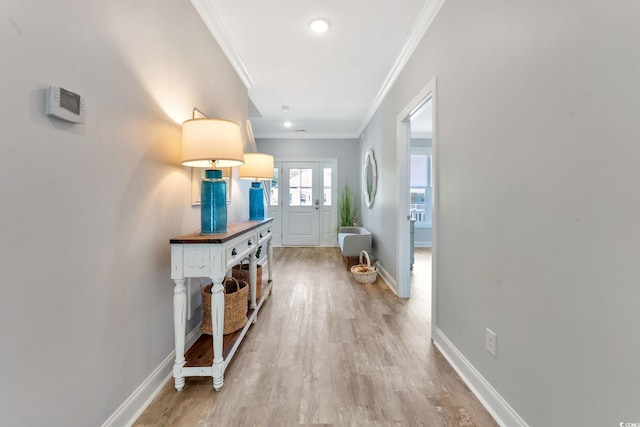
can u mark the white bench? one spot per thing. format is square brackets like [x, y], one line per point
[352, 240]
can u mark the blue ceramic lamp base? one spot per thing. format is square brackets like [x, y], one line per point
[256, 201]
[213, 212]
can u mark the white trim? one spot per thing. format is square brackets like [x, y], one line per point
[305, 159]
[402, 202]
[387, 279]
[212, 21]
[403, 145]
[435, 182]
[137, 402]
[426, 17]
[307, 135]
[423, 244]
[494, 403]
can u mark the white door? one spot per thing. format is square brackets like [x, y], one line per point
[301, 203]
[324, 180]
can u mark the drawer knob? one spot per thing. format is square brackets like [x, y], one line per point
[268, 230]
[234, 252]
[249, 243]
[261, 235]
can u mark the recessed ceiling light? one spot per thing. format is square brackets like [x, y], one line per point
[287, 124]
[319, 26]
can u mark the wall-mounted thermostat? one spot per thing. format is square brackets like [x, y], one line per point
[65, 105]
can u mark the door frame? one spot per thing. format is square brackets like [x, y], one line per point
[326, 239]
[403, 198]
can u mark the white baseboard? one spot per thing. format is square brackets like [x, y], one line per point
[135, 404]
[386, 277]
[499, 409]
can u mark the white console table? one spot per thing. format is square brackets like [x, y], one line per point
[212, 256]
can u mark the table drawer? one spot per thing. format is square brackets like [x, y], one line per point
[240, 248]
[264, 233]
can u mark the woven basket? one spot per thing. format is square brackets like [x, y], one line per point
[235, 306]
[241, 272]
[364, 273]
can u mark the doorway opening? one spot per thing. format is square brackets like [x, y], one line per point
[417, 192]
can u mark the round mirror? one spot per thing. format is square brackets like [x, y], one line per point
[370, 178]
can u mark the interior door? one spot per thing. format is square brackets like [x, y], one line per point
[301, 204]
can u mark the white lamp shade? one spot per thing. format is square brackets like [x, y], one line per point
[207, 140]
[257, 166]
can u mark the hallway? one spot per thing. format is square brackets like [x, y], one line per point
[327, 350]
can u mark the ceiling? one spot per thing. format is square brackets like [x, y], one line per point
[331, 82]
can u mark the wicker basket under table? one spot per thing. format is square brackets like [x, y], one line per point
[235, 306]
[364, 273]
[241, 272]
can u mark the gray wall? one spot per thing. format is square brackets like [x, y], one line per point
[536, 141]
[88, 210]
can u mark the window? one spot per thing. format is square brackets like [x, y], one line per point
[326, 198]
[274, 201]
[421, 186]
[300, 193]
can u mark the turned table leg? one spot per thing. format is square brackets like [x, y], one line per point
[253, 279]
[179, 325]
[217, 323]
[269, 258]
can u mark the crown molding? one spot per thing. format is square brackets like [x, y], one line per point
[426, 17]
[307, 135]
[212, 21]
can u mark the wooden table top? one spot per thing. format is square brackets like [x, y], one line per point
[233, 230]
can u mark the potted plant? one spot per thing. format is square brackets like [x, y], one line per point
[348, 207]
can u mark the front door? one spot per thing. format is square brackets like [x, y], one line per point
[300, 207]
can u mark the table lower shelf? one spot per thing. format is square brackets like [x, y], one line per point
[200, 354]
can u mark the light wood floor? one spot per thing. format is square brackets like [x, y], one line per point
[329, 351]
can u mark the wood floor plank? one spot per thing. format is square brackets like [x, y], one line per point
[327, 350]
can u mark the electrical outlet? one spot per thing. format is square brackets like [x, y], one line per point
[491, 343]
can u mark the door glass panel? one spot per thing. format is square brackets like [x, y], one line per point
[300, 190]
[326, 201]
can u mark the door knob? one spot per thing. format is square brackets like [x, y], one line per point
[317, 203]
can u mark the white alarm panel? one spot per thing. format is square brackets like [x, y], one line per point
[65, 105]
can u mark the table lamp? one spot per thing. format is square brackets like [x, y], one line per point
[256, 166]
[207, 143]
